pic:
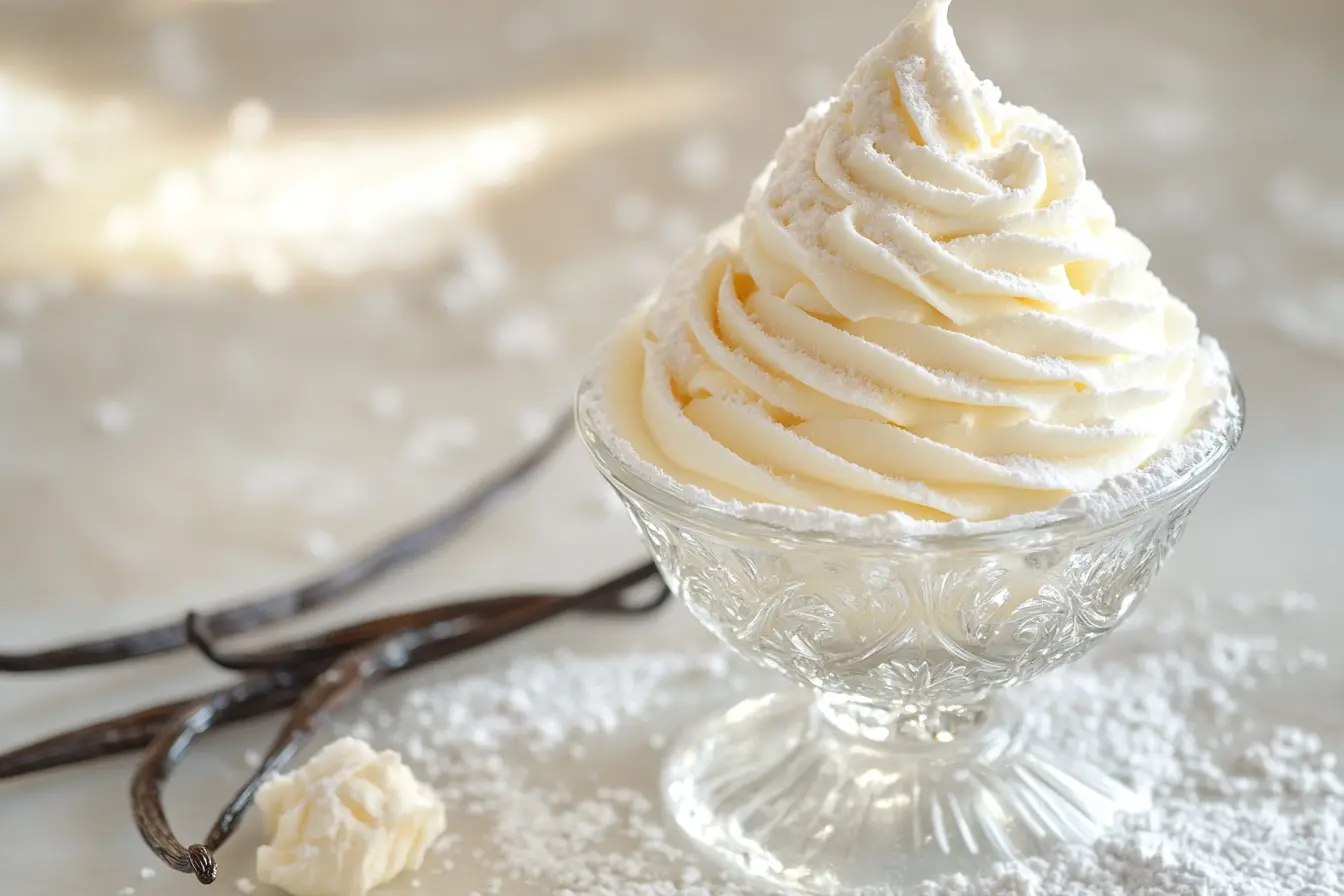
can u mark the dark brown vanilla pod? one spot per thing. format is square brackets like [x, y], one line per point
[360, 667]
[285, 670]
[251, 697]
[287, 603]
[190, 718]
[325, 648]
[616, 597]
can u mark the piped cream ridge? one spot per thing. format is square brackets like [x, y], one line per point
[926, 308]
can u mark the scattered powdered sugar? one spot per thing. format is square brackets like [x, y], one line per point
[484, 273]
[525, 334]
[1292, 762]
[540, 753]
[320, 544]
[11, 350]
[432, 439]
[702, 160]
[1212, 427]
[511, 750]
[112, 416]
[1286, 604]
[1235, 810]
[545, 700]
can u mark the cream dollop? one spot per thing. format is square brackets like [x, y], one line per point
[926, 308]
[349, 820]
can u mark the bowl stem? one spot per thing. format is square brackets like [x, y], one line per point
[830, 795]
[913, 726]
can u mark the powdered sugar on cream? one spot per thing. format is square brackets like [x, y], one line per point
[1215, 429]
[926, 308]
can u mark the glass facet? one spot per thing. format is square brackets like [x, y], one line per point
[899, 760]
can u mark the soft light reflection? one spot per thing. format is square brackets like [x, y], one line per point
[32, 121]
[273, 207]
[126, 189]
[335, 207]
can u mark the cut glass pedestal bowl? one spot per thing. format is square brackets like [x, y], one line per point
[898, 760]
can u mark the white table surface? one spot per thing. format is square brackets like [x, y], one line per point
[1214, 128]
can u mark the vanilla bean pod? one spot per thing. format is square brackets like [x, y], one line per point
[325, 648]
[287, 671]
[294, 601]
[609, 598]
[355, 670]
[251, 697]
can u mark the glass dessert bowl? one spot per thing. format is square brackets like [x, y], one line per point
[898, 760]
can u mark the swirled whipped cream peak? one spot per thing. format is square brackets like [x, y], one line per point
[926, 308]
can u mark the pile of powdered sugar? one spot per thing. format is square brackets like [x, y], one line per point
[1238, 808]
[549, 766]
[528, 754]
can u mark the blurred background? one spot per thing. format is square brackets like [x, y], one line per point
[279, 275]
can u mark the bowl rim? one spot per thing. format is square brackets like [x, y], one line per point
[1043, 527]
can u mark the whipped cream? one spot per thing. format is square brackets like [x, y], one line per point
[349, 820]
[926, 310]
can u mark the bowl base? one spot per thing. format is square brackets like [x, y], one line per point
[776, 789]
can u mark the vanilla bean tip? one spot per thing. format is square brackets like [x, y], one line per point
[202, 863]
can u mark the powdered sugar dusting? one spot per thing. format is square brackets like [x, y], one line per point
[538, 752]
[1236, 810]
[1213, 427]
[492, 746]
[909, 255]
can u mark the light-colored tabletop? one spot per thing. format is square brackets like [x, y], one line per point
[280, 276]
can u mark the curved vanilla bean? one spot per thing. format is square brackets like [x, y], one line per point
[290, 602]
[326, 647]
[136, 730]
[357, 669]
[612, 597]
[165, 753]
